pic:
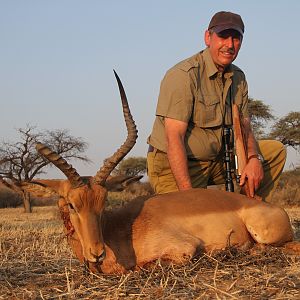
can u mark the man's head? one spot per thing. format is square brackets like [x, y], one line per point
[224, 37]
[224, 20]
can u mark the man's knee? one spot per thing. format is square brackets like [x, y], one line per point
[279, 148]
[272, 150]
[274, 153]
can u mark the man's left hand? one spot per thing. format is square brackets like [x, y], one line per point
[254, 174]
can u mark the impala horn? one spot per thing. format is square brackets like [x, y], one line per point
[61, 164]
[111, 162]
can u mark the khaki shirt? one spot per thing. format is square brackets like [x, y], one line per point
[193, 91]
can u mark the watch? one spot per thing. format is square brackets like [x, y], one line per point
[258, 156]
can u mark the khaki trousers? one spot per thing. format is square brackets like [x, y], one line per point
[205, 173]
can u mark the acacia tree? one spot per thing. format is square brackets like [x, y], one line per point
[287, 130]
[260, 115]
[20, 161]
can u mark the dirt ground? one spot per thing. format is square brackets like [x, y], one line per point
[36, 263]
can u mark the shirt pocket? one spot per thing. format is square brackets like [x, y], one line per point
[207, 111]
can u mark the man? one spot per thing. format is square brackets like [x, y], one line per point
[186, 144]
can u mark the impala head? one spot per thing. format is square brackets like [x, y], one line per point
[85, 196]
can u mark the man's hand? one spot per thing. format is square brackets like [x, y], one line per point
[253, 171]
[254, 174]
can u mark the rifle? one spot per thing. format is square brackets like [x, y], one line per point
[234, 147]
[227, 133]
[240, 147]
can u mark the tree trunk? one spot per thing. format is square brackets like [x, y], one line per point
[27, 202]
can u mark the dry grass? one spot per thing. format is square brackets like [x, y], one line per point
[36, 263]
[288, 190]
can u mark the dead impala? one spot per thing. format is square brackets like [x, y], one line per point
[172, 227]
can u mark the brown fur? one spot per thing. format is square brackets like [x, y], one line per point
[172, 227]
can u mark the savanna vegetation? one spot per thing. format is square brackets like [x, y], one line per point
[20, 162]
[37, 263]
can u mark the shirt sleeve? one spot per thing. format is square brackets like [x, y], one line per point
[175, 99]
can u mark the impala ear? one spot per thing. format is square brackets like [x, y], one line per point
[121, 182]
[38, 189]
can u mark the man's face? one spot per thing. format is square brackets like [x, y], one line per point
[224, 46]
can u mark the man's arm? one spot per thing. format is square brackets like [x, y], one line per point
[253, 170]
[175, 133]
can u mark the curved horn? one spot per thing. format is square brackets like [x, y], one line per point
[61, 164]
[111, 162]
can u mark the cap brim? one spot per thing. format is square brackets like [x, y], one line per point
[220, 28]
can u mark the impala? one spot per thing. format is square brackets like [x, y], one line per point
[172, 227]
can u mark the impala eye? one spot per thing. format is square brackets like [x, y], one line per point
[71, 207]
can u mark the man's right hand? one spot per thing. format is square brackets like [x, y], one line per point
[254, 174]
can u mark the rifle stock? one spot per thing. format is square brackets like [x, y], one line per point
[241, 152]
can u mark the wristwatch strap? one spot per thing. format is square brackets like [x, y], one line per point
[257, 156]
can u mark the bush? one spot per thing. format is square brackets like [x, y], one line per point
[8, 198]
[135, 190]
[288, 190]
[44, 201]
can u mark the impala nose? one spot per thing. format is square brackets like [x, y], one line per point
[98, 257]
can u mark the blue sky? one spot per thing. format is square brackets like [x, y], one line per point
[57, 58]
